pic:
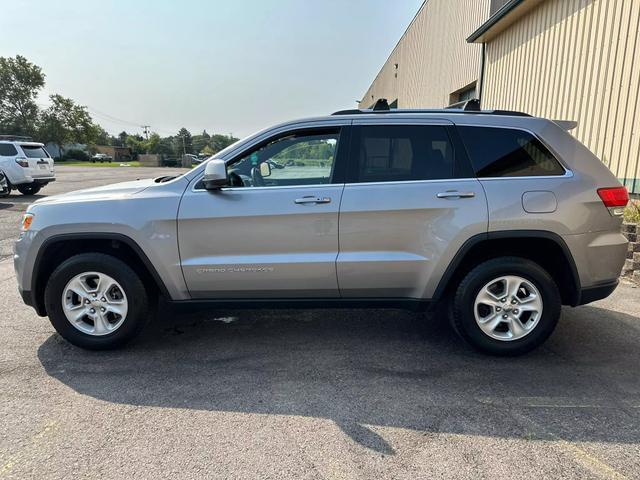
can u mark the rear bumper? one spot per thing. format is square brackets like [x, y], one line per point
[598, 256]
[44, 181]
[25, 180]
[598, 292]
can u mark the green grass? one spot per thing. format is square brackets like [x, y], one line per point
[74, 163]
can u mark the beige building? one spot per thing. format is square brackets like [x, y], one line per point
[560, 59]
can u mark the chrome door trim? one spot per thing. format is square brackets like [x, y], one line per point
[410, 182]
[275, 187]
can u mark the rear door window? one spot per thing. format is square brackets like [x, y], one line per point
[506, 152]
[392, 153]
[7, 150]
[34, 151]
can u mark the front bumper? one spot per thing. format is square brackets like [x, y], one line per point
[26, 296]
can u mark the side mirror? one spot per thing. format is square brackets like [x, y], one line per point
[215, 175]
[265, 169]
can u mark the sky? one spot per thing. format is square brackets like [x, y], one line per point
[227, 66]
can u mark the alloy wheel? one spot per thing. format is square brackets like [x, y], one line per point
[508, 308]
[94, 303]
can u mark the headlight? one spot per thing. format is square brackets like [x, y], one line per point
[27, 219]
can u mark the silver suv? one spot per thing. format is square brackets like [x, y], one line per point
[503, 216]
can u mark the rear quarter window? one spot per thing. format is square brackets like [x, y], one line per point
[506, 152]
[7, 150]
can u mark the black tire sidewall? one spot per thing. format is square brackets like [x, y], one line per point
[463, 306]
[116, 269]
[29, 189]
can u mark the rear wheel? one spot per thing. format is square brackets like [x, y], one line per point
[29, 188]
[506, 306]
[96, 301]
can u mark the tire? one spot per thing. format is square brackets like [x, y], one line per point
[29, 188]
[8, 192]
[125, 328]
[510, 337]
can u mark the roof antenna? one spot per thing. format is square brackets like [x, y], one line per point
[381, 105]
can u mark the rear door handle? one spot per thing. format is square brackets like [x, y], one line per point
[455, 194]
[312, 199]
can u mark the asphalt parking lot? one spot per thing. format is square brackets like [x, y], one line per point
[313, 394]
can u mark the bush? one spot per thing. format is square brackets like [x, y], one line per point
[73, 154]
[632, 212]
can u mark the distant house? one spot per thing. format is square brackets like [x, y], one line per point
[118, 154]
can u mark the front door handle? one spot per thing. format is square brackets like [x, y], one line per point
[312, 199]
[455, 194]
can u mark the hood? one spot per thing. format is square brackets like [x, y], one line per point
[116, 190]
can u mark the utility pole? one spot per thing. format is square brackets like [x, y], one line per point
[146, 130]
[184, 148]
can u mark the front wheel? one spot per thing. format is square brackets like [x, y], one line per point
[96, 301]
[506, 306]
[29, 188]
[7, 192]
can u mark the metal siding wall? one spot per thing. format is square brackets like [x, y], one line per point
[433, 57]
[576, 60]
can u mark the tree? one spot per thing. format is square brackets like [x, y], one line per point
[66, 122]
[183, 142]
[207, 150]
[199, 142]
[220, 142]
[137, 144]
[102, 136]
[20, 81]
[165, 146]
[153, 144]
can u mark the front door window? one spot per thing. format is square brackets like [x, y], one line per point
[297, 159]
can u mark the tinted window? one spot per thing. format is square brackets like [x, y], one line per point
[503, 152]
[34, 151]
[7, 150]
[401, 153]
[297, 159]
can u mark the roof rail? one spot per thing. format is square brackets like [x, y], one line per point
[16, 138]
[472, 105]
[446, 111]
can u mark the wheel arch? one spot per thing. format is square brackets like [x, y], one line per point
[58, 248]
[546, 248]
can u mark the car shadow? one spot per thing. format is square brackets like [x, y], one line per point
[17, 198]
[369, 368]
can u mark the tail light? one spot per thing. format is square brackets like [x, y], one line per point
[23, 162]
[615, 199]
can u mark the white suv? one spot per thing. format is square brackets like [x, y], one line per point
[26, 165]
